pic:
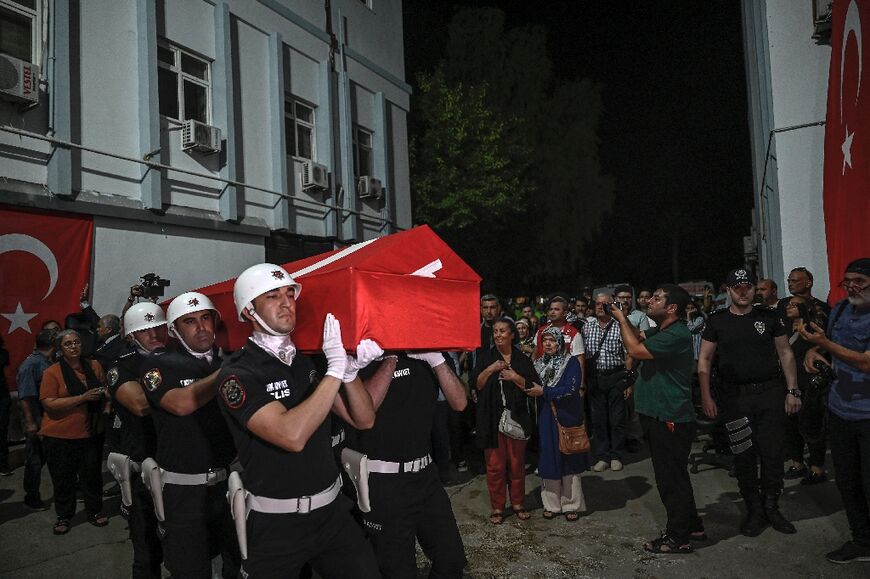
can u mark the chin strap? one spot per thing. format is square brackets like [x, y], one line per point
[207, 356]
[279, 346]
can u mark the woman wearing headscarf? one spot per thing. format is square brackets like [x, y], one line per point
[525, 337]
[560, 374]
[73, 395]
[504, 378]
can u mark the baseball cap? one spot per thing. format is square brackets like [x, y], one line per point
[740, 276]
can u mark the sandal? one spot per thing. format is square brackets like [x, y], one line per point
[496, 518]
[98, 520]
[521, 513]
[550, 515]
[666, 545]
[572, 516]
[699, 535]
[61, 527]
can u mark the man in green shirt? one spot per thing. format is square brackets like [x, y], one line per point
[663, 399]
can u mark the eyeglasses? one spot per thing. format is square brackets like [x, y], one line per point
[855, 283]
[72, 344]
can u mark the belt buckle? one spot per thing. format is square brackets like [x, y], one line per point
[211, 477]
[303, 505]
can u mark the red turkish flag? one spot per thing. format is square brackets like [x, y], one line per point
[847, 141]
[45, 261]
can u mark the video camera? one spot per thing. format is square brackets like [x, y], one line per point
[152, 287]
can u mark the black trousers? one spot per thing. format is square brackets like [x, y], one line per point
[850, 452]
[764, 414]
[669, 452]
[198, 527]
[34, 458]
[407, 508]
[5, 409]
[328, 537]
[608, 415]
[71, 458]
[147, 551]
[807, 427]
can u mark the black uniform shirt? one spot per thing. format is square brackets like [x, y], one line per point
[403, 426]
[138, 438]
[189, 444]
[745, 344]
[252, 378]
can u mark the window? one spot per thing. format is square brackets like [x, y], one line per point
[184, 84]
[362, 152]
[19, 29]
[299, 129]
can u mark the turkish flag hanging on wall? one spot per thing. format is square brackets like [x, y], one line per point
[847, 140]
[45, 260]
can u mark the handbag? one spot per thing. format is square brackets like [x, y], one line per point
[506, 424]
[572, 439]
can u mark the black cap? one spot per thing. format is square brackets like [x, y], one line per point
[860, 265]
[740, 276]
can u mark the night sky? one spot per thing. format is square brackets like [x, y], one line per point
[675, 121]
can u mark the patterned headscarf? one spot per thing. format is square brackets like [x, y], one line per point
[551, 366]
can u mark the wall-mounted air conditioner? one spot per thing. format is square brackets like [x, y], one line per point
[19, 80]
[199, 136]
[369, 188]
[315, 176]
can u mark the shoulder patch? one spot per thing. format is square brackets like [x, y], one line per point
[112, 376]
[233, 393]
[152, 379]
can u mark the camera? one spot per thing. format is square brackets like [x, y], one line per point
[822, 381]
[607, 307]
[152, 286]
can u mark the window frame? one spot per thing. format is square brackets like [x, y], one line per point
[35, 15]
[357, 146]
[290, 115]
[176, 68]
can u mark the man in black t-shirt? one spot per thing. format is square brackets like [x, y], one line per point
[405, 493]
[752, 346]
[194, 445]
[278, 406]
[145, 325]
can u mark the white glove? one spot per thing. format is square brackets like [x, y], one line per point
[336, 357]
[367, 351]
[434, 359]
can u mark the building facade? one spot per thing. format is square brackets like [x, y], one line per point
[787, 75]
[205, 136]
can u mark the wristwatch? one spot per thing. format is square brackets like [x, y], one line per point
[795, 392]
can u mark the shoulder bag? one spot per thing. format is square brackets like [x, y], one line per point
[572, 439]
[506, 424]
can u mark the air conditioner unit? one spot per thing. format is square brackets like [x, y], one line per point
[19, 80]
[315, 176]
[369, 188]
[199, 136]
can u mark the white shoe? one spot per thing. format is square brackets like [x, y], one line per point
[601, 466]
[615, 464]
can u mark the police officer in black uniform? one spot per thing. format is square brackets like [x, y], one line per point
[145, 325]
[194, 445]
[407, 499]
[753, 354]
[278, 408]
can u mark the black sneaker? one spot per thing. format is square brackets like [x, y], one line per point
[35, 505]
[6, 471]
[795, 473]
[849, 553]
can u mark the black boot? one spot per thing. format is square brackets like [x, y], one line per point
[755, 521]
[777, 521]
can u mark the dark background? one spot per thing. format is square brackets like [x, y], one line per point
[674, 132]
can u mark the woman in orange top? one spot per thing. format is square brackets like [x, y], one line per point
[73, 395]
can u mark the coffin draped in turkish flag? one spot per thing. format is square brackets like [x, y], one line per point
[847, 141]
[45, 261]
[406, 291]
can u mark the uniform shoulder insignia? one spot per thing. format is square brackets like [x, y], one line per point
[152, 379]
[233, 392]
[112, 376]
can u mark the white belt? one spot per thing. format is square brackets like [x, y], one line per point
[387, 467]
[212, 477]
[300, 505]
[338, 438]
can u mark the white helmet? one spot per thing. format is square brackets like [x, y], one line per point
[187, 303]
[257, 280]
[142, 316]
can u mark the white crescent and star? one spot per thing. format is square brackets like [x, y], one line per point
[19, 242]
[852, 24]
